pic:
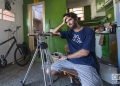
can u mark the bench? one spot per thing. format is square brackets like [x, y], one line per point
[73, 76]
[71, 72]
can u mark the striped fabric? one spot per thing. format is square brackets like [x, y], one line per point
[86, 74]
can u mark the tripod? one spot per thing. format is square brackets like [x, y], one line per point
[42, 51]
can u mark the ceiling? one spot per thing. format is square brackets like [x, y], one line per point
[77, 3]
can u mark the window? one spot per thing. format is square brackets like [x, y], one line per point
[79, 11]
[0, 13]
[9, 16]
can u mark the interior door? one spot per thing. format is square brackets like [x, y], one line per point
[36, 20]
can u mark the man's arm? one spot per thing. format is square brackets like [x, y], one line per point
[55, 31]
[78, 54]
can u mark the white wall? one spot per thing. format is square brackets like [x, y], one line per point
[18, 10]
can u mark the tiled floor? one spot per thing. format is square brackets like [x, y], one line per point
[13, 74]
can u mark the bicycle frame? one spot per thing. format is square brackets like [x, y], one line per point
[11, 46]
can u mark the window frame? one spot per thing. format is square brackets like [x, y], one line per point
[77, 9]
[7, 16]
[12, 18]
[0, 13]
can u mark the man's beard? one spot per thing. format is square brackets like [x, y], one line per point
[74, 26]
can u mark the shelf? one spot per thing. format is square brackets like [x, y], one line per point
[101, 9]
[105, 4]
[108, 2]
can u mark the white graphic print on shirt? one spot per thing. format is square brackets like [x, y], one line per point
[76, 39]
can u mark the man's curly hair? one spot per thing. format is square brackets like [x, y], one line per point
[71, 14]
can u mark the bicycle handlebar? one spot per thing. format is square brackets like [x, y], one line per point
[46, 34]
[10, 30]
[32, 34]
[18, 27]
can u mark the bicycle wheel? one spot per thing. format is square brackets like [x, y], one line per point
[21, 58]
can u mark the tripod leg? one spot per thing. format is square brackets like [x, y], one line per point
[48, 56]
[23, 81]
[43, 66]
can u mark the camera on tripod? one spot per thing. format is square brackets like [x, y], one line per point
[45, 55]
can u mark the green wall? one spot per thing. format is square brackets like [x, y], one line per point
[25, 18]
[54, 14]
[110, 12]
[27, 1]
[105, 47]
[87, 12]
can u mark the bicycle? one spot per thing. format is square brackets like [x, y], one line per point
[21, 54]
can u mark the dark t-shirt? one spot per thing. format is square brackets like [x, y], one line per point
[84, 39]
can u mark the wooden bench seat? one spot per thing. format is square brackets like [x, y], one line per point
[71, 72]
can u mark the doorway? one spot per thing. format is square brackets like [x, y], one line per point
[36, 16]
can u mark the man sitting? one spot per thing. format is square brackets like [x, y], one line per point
[81, 43]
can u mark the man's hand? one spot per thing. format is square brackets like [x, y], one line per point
[64, 20]
[55, 31]
[63, 58]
